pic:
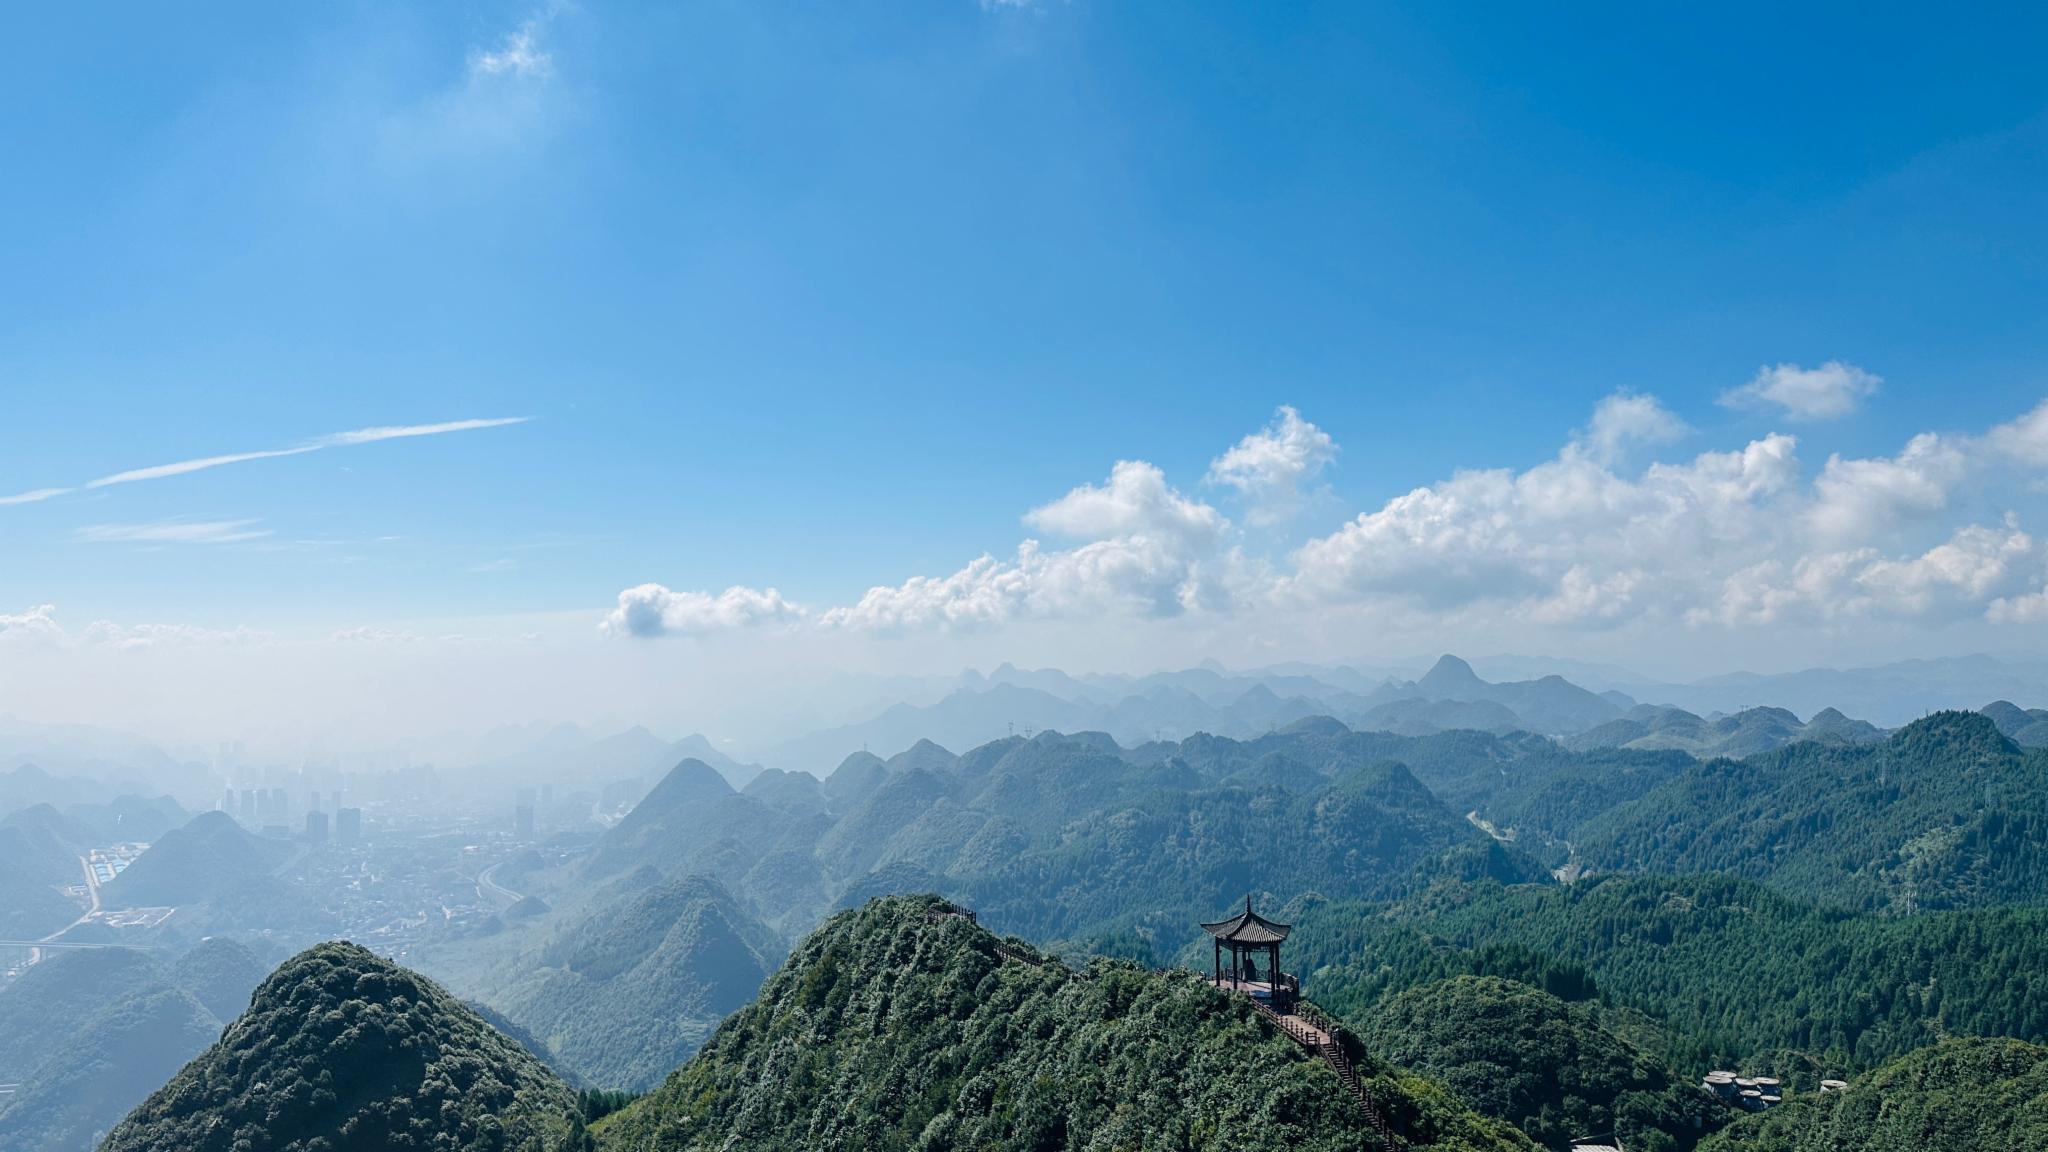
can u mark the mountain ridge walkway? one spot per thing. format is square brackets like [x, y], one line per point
[1319, 1037]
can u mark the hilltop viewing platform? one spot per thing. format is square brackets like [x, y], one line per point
[1248, 936]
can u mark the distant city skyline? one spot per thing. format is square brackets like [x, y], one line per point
[383, 371]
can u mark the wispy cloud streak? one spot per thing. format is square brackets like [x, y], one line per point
[173, 532]
[33, 497]
[349, 439]
[160, 471]
[402, 431]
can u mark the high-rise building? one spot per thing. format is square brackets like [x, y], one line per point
[280, 808]
[522, 821]
[227, 802]
[316, 826]
[348, 825]
[249, 806]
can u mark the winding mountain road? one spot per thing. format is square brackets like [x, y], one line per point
[488, 888]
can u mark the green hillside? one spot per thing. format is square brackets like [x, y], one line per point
[212, 858]
[1731, 968]
[1059, 835]
[89, 1034]
[1945, 813]
[629, 992]
[1979, 1095]
[345, 1052]
[102, 1066]
[1544, 1065]
[38, 855]
[220, 973]
[890, 1028]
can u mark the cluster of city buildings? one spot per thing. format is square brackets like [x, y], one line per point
[269, 811]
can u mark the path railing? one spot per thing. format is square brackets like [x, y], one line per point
[947, 910]
[1321, 1037]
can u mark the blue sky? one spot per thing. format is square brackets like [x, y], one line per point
[825, 300]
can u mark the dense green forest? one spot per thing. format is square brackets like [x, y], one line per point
[1732, 969]
[1945, 813]
[889, 1028]
[1545, 1065]
[344, 1052]
[1965, 1095]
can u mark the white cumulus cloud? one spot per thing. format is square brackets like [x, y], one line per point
[1270, 466]
[1823, 393]
[2025, 439]
[1143, 549]
[36, 620]
[1744, 538]
[1622, 421]
[650, 610]
[1861, 498]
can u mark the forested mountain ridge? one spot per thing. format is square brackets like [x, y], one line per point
[2023, 726]
[1944, 813]
[1744, 733]
[891, 1027]
[1734, 971]
[1058, 834]
[346, 1052]
[1093, 848]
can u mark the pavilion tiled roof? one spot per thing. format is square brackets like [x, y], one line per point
[1248, 927]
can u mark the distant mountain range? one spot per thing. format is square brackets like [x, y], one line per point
[1900, 872]
[1173, 706]
[1651, 726]
[1643, 713]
